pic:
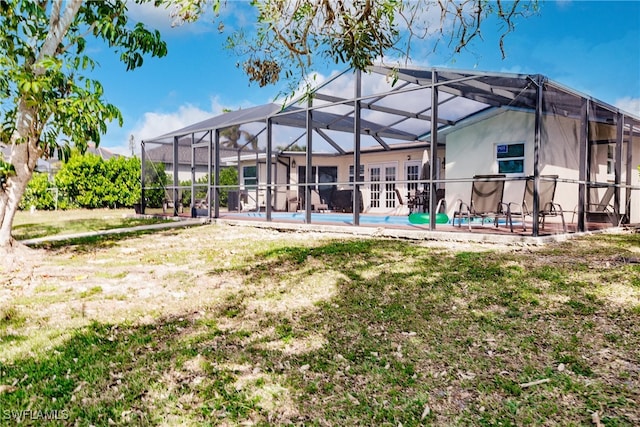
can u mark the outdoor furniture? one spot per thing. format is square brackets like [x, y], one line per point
[414, 201]
[399, 197]
[316, 203]
[601, 209]
[293, 204]
[420, 201]
[547, 207]
[486, 200]
[342, 201]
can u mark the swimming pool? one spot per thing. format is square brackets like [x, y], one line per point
[347, 219]
[339, 218]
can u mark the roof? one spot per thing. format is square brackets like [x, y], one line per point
[164, 154]
[225, 120]
[397, 105]
[103, 153]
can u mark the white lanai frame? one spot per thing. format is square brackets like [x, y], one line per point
[413, 105]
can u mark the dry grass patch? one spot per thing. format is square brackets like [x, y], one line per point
[227, 325]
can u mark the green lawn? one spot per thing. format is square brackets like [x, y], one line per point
[29, 225]
[221, 325]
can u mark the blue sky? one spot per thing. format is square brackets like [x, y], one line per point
[590, 46]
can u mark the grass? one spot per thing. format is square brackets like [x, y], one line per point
[54, 223]
[259, 327]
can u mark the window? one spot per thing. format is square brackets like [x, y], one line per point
[250, 176]
[611, 159]
[324, 176]
[510, 158]
[352, 175]
[413, 174]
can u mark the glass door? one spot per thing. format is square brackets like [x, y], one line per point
[382, 189]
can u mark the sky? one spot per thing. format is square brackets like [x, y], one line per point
[590, 46]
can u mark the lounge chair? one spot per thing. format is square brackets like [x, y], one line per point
[547, 207]
[600, 210]
[293, 204]
[317, 204]
[486, 200]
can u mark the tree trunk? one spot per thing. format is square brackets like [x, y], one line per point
[24, 157]
[25, 149]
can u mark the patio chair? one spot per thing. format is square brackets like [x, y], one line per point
[486, 200]
[601, 209]
[316, 203]
[293, 204]
[547, 207]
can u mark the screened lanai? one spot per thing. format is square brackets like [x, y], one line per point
[426, 142]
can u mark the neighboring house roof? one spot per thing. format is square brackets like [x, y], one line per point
[104, 153]
[164, 154]
[42, 166]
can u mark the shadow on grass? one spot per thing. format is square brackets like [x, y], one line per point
[33, 231]
[412, 336]
[128, 375]
[97, 242]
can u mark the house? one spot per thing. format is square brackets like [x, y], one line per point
[415, 129]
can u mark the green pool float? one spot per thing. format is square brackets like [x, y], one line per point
[423, 218]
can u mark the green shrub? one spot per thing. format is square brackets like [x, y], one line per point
[40, 193]
[88, 181]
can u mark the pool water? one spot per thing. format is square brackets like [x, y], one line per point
[347, 219]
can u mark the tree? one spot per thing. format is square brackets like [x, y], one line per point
[290, 35]
[39, 193]
[48, 103]
[231, 136]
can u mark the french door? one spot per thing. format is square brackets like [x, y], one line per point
[382, 190]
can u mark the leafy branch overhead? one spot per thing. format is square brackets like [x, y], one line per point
[291, 35]
[46, 88]
[48, 102]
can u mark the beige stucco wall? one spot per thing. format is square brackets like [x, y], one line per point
[471, 151]
[399, 159]
[635, 180]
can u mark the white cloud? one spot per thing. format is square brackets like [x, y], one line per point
[154, 124]
[630, 105]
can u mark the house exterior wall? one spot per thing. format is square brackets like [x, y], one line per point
[471, 151]
[399, 159]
